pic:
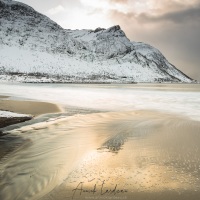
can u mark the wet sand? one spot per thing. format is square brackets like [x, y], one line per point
[3, 97]
[146, 156]
[29, 107]
[116, 155]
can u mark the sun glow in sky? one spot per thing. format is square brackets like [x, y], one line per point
[105, 5]
[90, 14]
[96, 12]
[77, 18]
[87, 14]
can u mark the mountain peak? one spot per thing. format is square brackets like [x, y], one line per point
[99, 29]
[35, 48]
[114, 28]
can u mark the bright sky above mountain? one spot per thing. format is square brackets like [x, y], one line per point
[173, 26]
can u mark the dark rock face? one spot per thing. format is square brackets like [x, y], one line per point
[4, 121]
[99, 29]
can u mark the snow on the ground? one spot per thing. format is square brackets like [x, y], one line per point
[8, 114]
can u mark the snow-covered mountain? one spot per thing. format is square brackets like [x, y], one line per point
[33, 48]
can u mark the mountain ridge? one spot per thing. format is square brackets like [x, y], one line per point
[36, 49]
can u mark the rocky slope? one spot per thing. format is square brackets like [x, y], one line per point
[33, 48]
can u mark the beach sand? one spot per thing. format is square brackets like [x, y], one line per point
[2, 96]
[116, 155]
[145, 155]
[31, 108]
[132, 154]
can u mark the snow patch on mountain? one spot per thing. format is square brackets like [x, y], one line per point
[36, 49]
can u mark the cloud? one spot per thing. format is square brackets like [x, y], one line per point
[119, 1]
[182, 16]
[173, 28]
[56, 10]
[152, 12]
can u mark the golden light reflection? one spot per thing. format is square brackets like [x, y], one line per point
[159, 154]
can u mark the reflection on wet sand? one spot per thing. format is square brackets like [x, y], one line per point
[147, 156]
[119, 155]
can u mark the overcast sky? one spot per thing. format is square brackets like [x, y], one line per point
[172, 26]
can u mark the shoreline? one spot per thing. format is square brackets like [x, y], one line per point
[104, 83]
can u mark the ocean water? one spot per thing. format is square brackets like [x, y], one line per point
[143, 139]
[183, 99]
